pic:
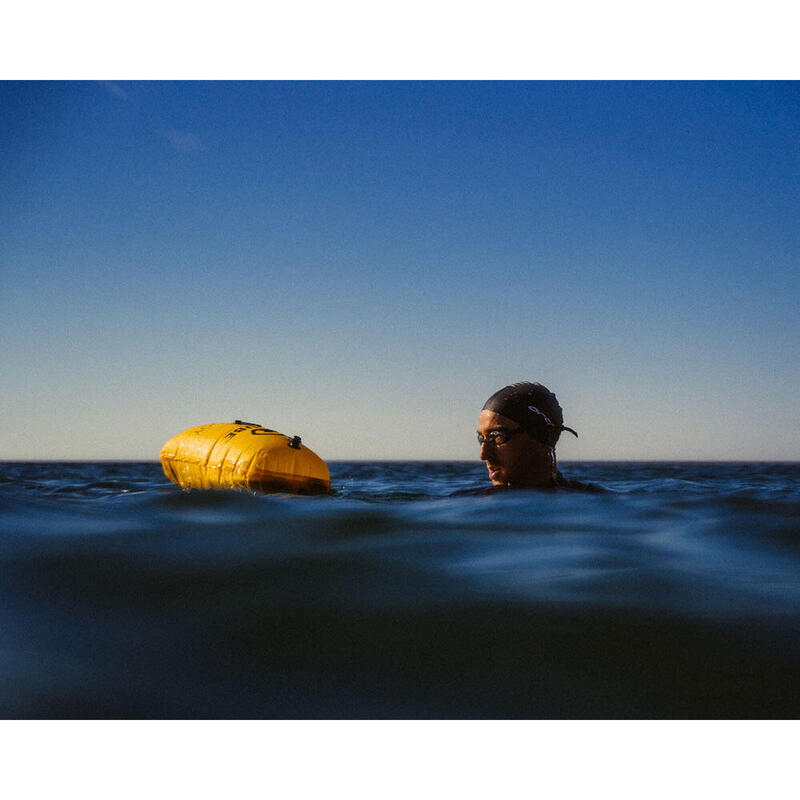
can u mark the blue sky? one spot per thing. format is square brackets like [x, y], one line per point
[364, 263]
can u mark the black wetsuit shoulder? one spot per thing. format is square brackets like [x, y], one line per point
[581, 487]
[476, 491]
[559, 482]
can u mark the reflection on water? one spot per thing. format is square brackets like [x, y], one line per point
[675, 593]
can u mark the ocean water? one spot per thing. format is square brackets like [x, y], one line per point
[675, 593]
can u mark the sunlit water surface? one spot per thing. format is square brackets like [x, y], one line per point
[673, 594]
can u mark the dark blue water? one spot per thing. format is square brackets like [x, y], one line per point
[675, 594]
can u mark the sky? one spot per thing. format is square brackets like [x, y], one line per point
[363, 263]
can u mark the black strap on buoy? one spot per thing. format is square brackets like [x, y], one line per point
[295, 442]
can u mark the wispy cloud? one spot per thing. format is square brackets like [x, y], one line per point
[114, 88]
[183, 141]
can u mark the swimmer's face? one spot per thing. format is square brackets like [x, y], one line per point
[520, 460]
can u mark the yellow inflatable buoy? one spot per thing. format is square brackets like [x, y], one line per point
[243, 455]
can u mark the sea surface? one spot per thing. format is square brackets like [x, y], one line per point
[674, 593]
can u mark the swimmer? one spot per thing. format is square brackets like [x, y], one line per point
[518, 428]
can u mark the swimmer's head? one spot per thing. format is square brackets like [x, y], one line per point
[533, 407]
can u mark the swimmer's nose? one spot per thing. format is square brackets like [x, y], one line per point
[484, 447]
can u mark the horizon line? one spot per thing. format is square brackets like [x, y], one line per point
[428, 461]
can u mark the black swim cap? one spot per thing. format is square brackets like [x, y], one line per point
[534, 407]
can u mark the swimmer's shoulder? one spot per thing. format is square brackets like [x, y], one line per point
[477, 491]
[578, 486]
[559, 483]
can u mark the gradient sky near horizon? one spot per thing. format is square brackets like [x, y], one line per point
[364, 263]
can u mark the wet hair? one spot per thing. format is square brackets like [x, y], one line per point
[534, 407]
